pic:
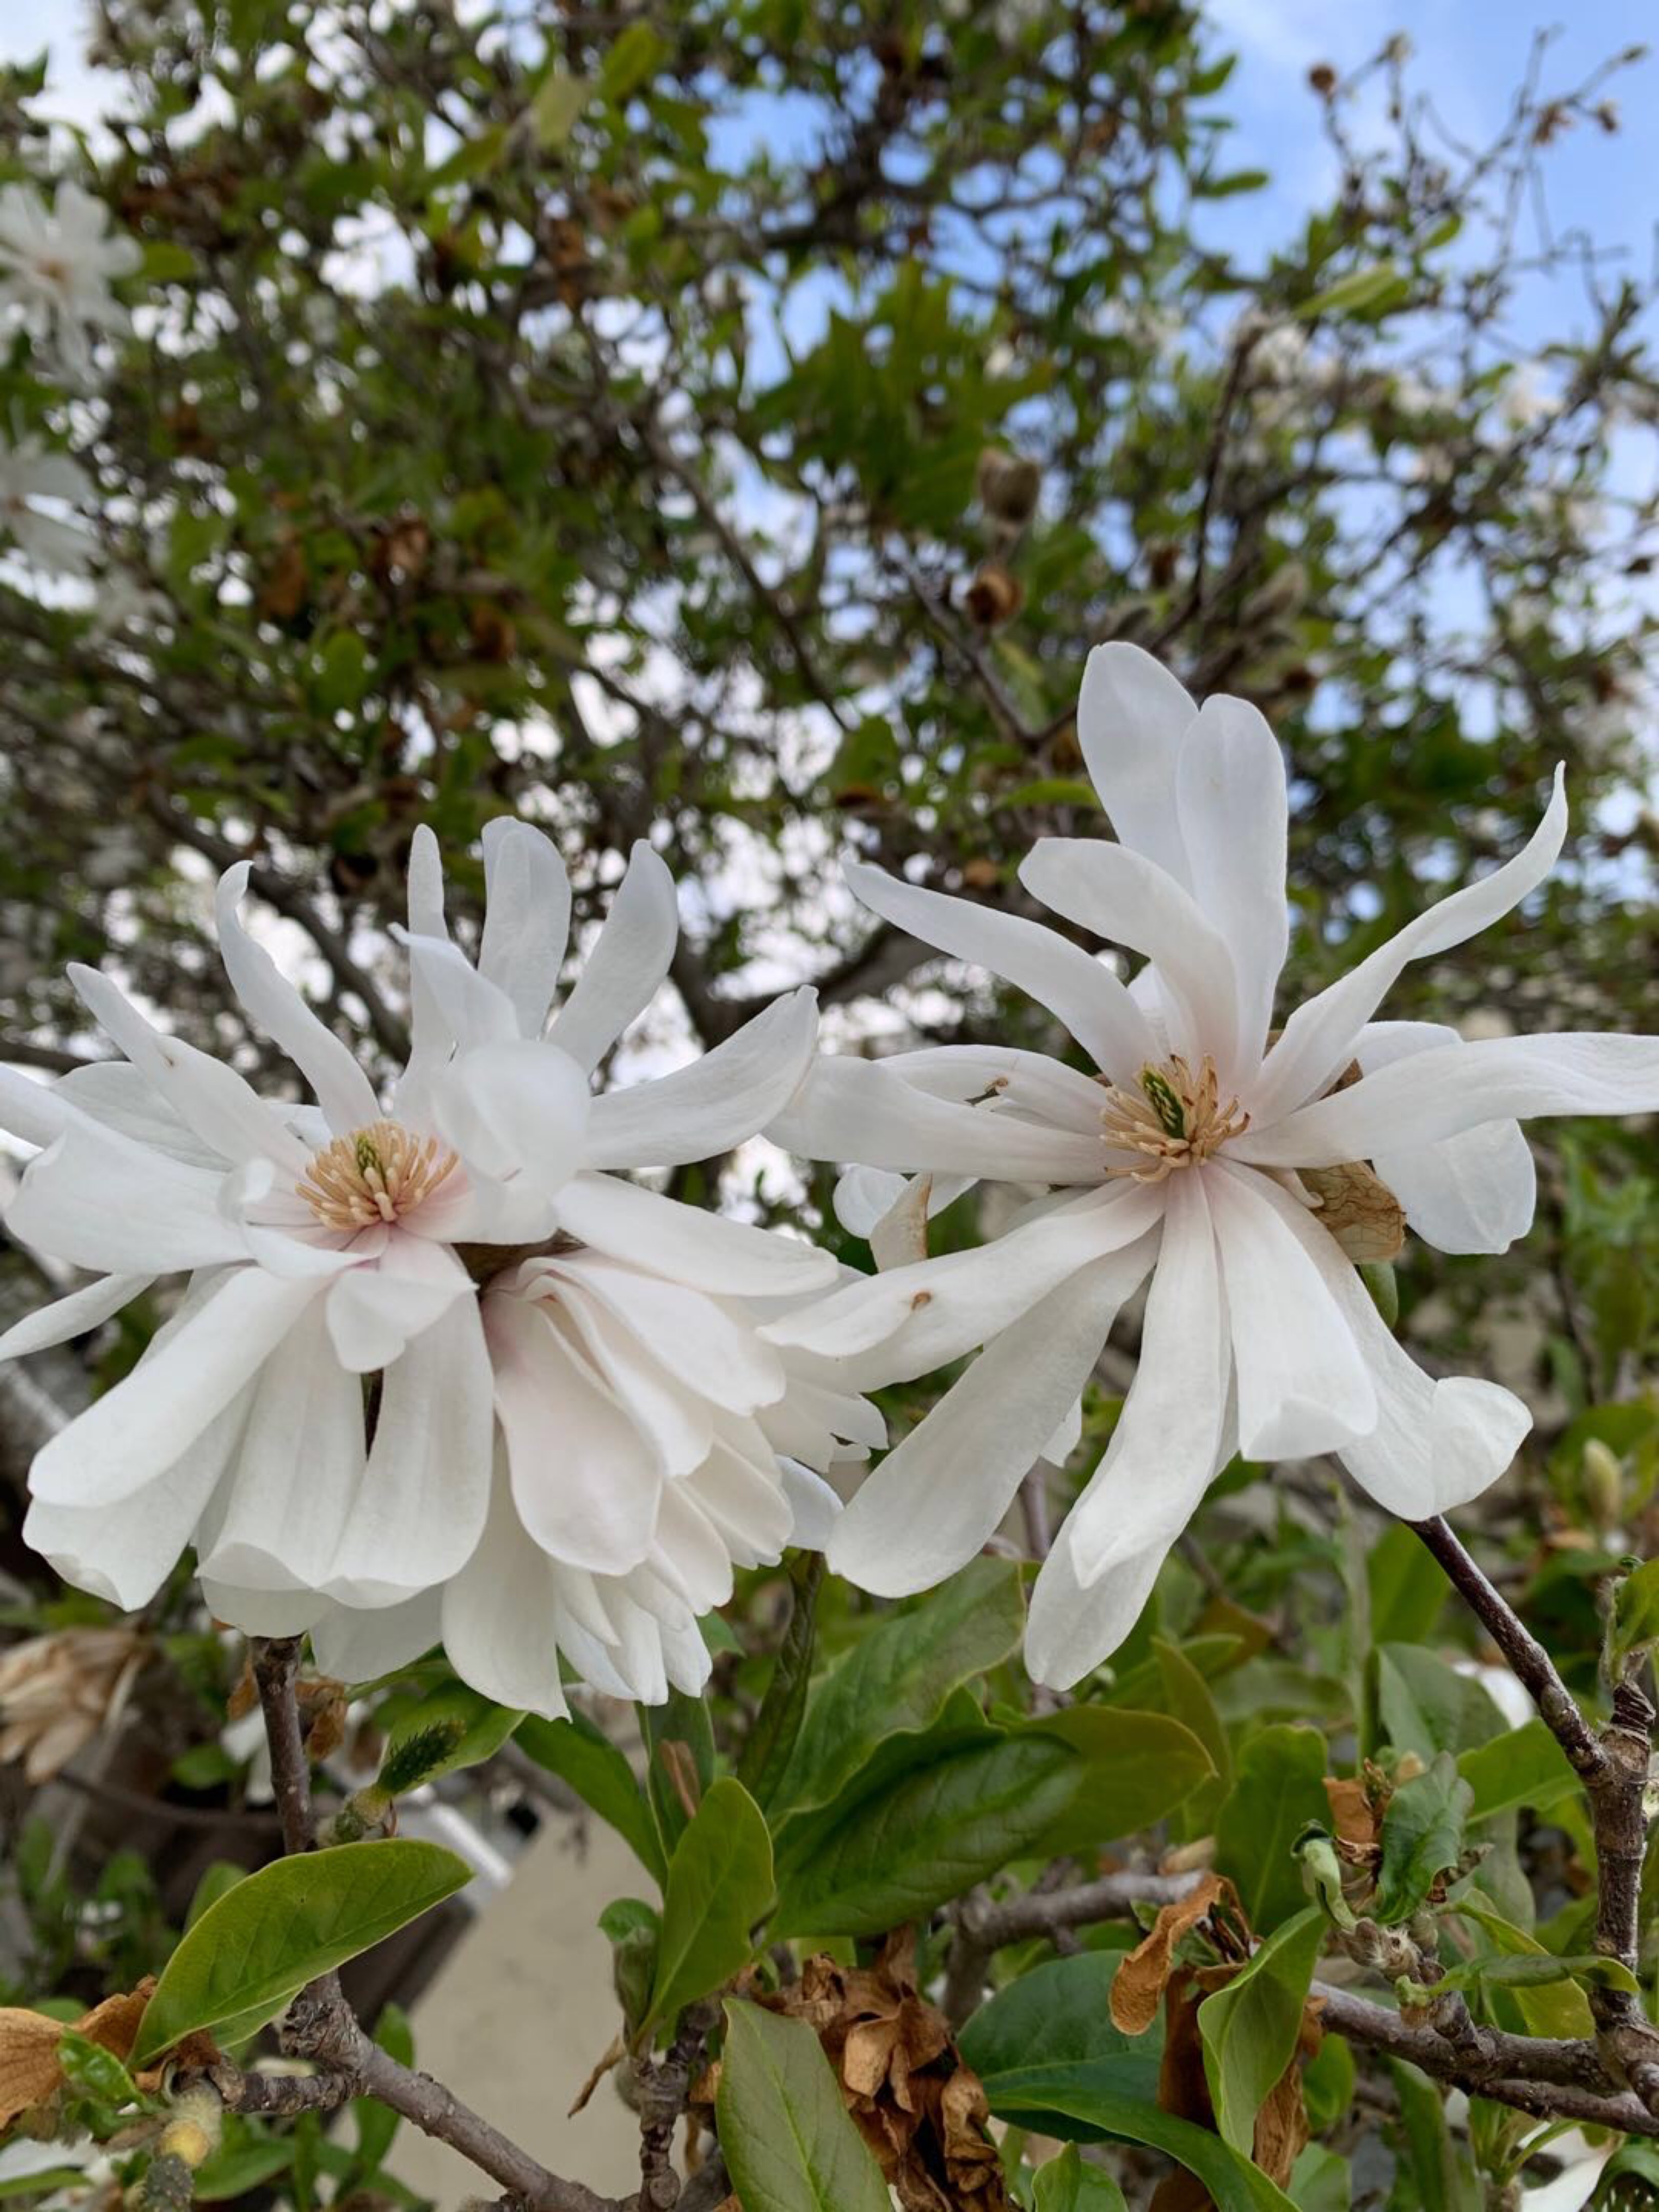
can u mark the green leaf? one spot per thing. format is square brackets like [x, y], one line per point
[167, 262]
[1539, 1970]
[1250, 2028]
[777, 1725]
[557, 103]
[1235, 2186]
[1634, 1627]
[439, 1733]
[929, 1834]
[1065, 2184]
[1527, 1766]
[1279, 1789]
[1321, 2181]
[684, 1721]
[789, 2144]
[1053, 791]
[1558, 2009]
[896, 1680]
[1056, 2021]
[94, 2072]
[631, 60]
[1189, 1698]
[1427, 1706]
[719, 1886]
[282, 1926]
[584, 1757]
[377, 2123]
[1408, 1586]
[218, 1879]
[1437, 2167]
[1360, 288]
[1136, 1769]
[1422, 1837]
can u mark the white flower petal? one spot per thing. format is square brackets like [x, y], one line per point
[1434, 1095]
[1303, 1386]
[933, 1310]
[374, 1310]
[937, 1496]
[744, 1496]
[430, 1037]
[1472, 1193]
[419, 1511]
[1231, 796]
[586, 1481]
[1131, 715]
[97, 1200]
[114, 1093]
[500, 1619]
[705, 1347]
[1320, 1036]
[138, 1430]
[815, 1506]
[272, 1004]
[1082, 994]
[627, 964]
[356, 1646]
[33, 1111]
[849, 1109]
[526, 919]
[1073, 1626]
[69, 1317]
[716, 1102]
[679, 1422]
[1130, 900]
[516, 1109]
[464, 1003]
[701, 1249]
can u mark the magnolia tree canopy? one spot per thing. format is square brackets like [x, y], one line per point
[706, 711]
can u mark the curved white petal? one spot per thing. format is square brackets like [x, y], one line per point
[69, 1317]
[526, 919]
[937, 1496]
[356, 1646]
[1438, 1094]
[499, 1616]
[679, 1422]
[933, 1310]
[1130, 900]
[718, 1101]
[430, 1036]
[466, 1007]
[1131, 718]
[693, 1247]
[516, 1109]
[99, 1201]
[814, 1504]
[374, 1311]
[1073, 1626]
[850, 1108]
[1164, 1449]
[1471, 1193]
[628, 961]
[1303, 1386]
[271, 1003]
[33, 1111]
[115, 1093]
[140, 1428]
[706, 1347]
[419, 1510]
[1320, 1036]
[1231, 795]
[1082, 994]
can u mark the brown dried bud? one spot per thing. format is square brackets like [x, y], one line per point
[994, 597]
[1163, 558]
[1008, 486]
[494, 636]
[980, 874]
[1323, 78]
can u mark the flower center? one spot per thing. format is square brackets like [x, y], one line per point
[381, 1173]
[1169, 1117]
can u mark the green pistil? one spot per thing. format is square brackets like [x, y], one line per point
[367, 1157]
[1166, 1102]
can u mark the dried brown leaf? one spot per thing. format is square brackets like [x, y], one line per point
[1139, 1987]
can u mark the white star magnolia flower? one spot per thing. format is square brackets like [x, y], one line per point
[1193, 1156]
[57, 265]
[574, 1459]
[31, 470]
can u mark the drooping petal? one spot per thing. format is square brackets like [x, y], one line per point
[1131, 718]
[374, 1310]
[1320, 1036]
[526, 919]
[850, 1108]
[701, 1249]
[1231, 799]
[1163, 1451]
[1082, 994]
[1439, 1094]
[99, 1201]
[499, 1617]
[516, 1109]
[33, 1111]
[625, 968]
[933, 1310]
[210, 1098]
[937, 1496]
[586, 1481]
[717, 1102]
[815, 1506]
[1130, 900]
[1303, 1386]
[1472, 1193]
[271, 1003]
[1073, 1626]
[146, 1424]
[69, 1317]
[357, 1646]
[419, 1510]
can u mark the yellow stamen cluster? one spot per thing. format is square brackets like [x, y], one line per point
[1173, 1119]
[377, 1174]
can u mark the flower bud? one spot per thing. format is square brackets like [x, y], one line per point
[1008, 486]
[1603, 1472]
[994, 597]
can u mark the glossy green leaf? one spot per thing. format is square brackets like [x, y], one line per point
[1550, 2007]
[1527, 1766]
[283, 1925]
[1423, 1830]
[1426, 1706]
[1235, 2186]
[1634, 1627]
[1066, 2185]
[1277, 1789]
[719, 1886]
[789, 2144]
[1136, 1769]
[583, 1756]
[1250, 2028]
[1055, 2021]
[1187, 1696]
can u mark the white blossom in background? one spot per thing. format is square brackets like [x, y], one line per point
[334, 1250]
[1244, 1171]
[57, 265]
[31, 471]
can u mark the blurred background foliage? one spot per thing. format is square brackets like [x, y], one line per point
[731, 425]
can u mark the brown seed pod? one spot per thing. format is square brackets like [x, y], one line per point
[994, 597]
